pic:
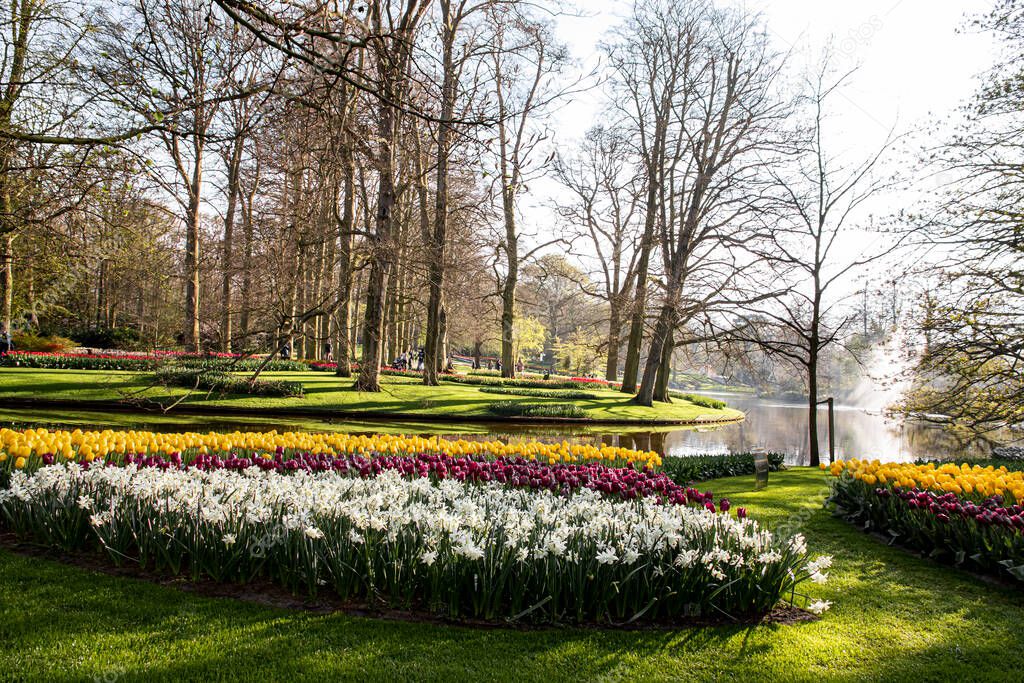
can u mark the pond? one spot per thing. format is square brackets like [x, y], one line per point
[770, 424]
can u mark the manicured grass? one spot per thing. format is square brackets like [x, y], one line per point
[326, 393]
[895, 617]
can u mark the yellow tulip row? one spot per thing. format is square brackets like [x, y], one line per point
[951, 478]
[21, 445]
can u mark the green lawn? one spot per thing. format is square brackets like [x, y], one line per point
[895, 617]
[326, 393]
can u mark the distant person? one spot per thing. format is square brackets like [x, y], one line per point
[286, 351]
[329, 352]
[490, 365]
[519, 367]
[497, 365]
[6, 342]
[419, 359]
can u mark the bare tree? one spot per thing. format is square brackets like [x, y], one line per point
[608, 214]
[390, 55]
[166, 61]
[720, 118]
[820, 200]
[454, 15]
[524, 56]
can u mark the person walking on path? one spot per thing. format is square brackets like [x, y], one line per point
[419, 362]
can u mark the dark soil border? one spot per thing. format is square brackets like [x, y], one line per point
[268, 594]
[185, 408]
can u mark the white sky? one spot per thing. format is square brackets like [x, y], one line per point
[917, 61]
[914, 66]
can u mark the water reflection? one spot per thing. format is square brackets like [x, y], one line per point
[771, 425]
[781, 426]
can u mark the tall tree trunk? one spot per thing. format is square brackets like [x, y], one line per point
[345, 243]
[247, 234]
[639, 314]
[508, 289]
[662, 335]
[611, 367]
[227, 259]
[192, 232]
[665, 371]
[812, 406]
[7, 276]
[192, 335]
[381, 255]
[438, 237]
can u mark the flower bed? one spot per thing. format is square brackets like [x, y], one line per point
[536, 410]
[141, 362]
[454, 548]
[540, 393]
[79, 361]
[966, 515]
[26, 449]
[485, 380]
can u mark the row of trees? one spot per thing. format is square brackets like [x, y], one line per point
[248, 175]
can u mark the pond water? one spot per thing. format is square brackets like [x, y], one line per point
[770, 424]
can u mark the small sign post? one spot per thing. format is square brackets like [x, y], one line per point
[760, 470]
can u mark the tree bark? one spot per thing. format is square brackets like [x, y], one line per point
[812, 407]
[7, 277]
[662, 335]
[665, 371]
[611, 368]
[192, 333]
[381, 256]
[438, 238]
[227, 260]
[639, 313]
[345, 244]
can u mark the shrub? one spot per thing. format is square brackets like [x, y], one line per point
[540, 393]
[109, 338]
[517, 409]
[697, 400]
[224, 383]
[26, 341]
[684, 469]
